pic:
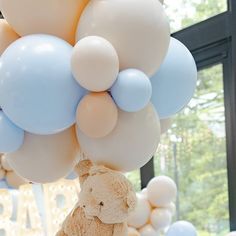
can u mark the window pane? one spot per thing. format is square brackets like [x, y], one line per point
[193, 153]
[183, 13]
[135, 179]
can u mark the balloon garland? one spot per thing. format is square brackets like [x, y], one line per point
[95, 77]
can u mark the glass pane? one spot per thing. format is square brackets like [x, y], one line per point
[193, 153]
[135, 178]
[183, 13]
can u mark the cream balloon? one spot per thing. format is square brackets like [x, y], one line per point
[133, 232]
[161, 191]
[140, 216]
[95, 63]
[138, 30]
[148, 230]
[55, 17]
[44, 159]
[5, 164]
[2, 174]
[171, 208]
[160, 218]
[7, 35]
[14, 180]
[130, 145]
[165, 125]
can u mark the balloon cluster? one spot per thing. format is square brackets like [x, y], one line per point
[110, 67]
[155, 208]
[8, 174]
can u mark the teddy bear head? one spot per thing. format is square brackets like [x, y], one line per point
[107, 195]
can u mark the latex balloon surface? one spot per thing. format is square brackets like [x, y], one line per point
[175, 82]
[182, 228]
[95, 63]
[38, 92]
[48, 158]
[138, 30]
[54, 17]
[130, 145]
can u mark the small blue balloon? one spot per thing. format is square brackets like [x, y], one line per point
[37, 89]
[3, 184]
[132, 90]
[72, 176]
[182, 228]
[175, 81]
[11, 136]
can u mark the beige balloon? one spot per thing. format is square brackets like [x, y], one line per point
[55, 17]
[138, 29]
[14, 180]
[130, 145]
[5, 163]
[165, 125]
[95, 63]
[160, 218]
[7, 35]
[44, 159]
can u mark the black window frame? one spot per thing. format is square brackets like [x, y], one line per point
[211, 42]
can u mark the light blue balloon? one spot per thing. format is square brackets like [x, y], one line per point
[175, 82]
[132, 90]
[37, 89]
[72, 176]
[3, 184]
[11, 137]
[182, 228]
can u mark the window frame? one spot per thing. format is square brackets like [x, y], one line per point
[211, 42]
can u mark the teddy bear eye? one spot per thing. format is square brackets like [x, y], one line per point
[90, 190]
[101, 203]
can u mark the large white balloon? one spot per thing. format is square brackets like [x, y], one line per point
[14, 180]
[130, 145]
[162, 191]
[140, 216]
[160, 218]
[44, 159]
[138, 29]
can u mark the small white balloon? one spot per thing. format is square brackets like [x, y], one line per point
[5, 163]
[232, 233]
[14, 180]
[133, 232]
[162, 191]
[148, 230]
[165, 125]
[140, 216]
[95, 63]
[171, 208]
[2, 174]
[160, 218]
[144, 193]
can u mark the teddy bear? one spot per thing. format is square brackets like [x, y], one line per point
[105, 201]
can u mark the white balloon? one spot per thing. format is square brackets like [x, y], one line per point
[14, 180]
[5, 163]
[144, 193]
[165, 125]
[95, 63]
[171, 208]
[138, 30]
[148, 230]
[160, 218]
[162, 191]
[140, 216]
[2, 174]
[130, 145]
[45, 158]
[133, 232]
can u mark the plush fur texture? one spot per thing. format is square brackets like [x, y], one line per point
[105, 201]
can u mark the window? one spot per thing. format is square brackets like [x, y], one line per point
[193, 153]
[183, 13]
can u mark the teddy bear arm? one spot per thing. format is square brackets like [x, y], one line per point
[120, 230]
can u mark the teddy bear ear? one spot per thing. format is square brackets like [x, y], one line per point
[131, 201]
[98, 170]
